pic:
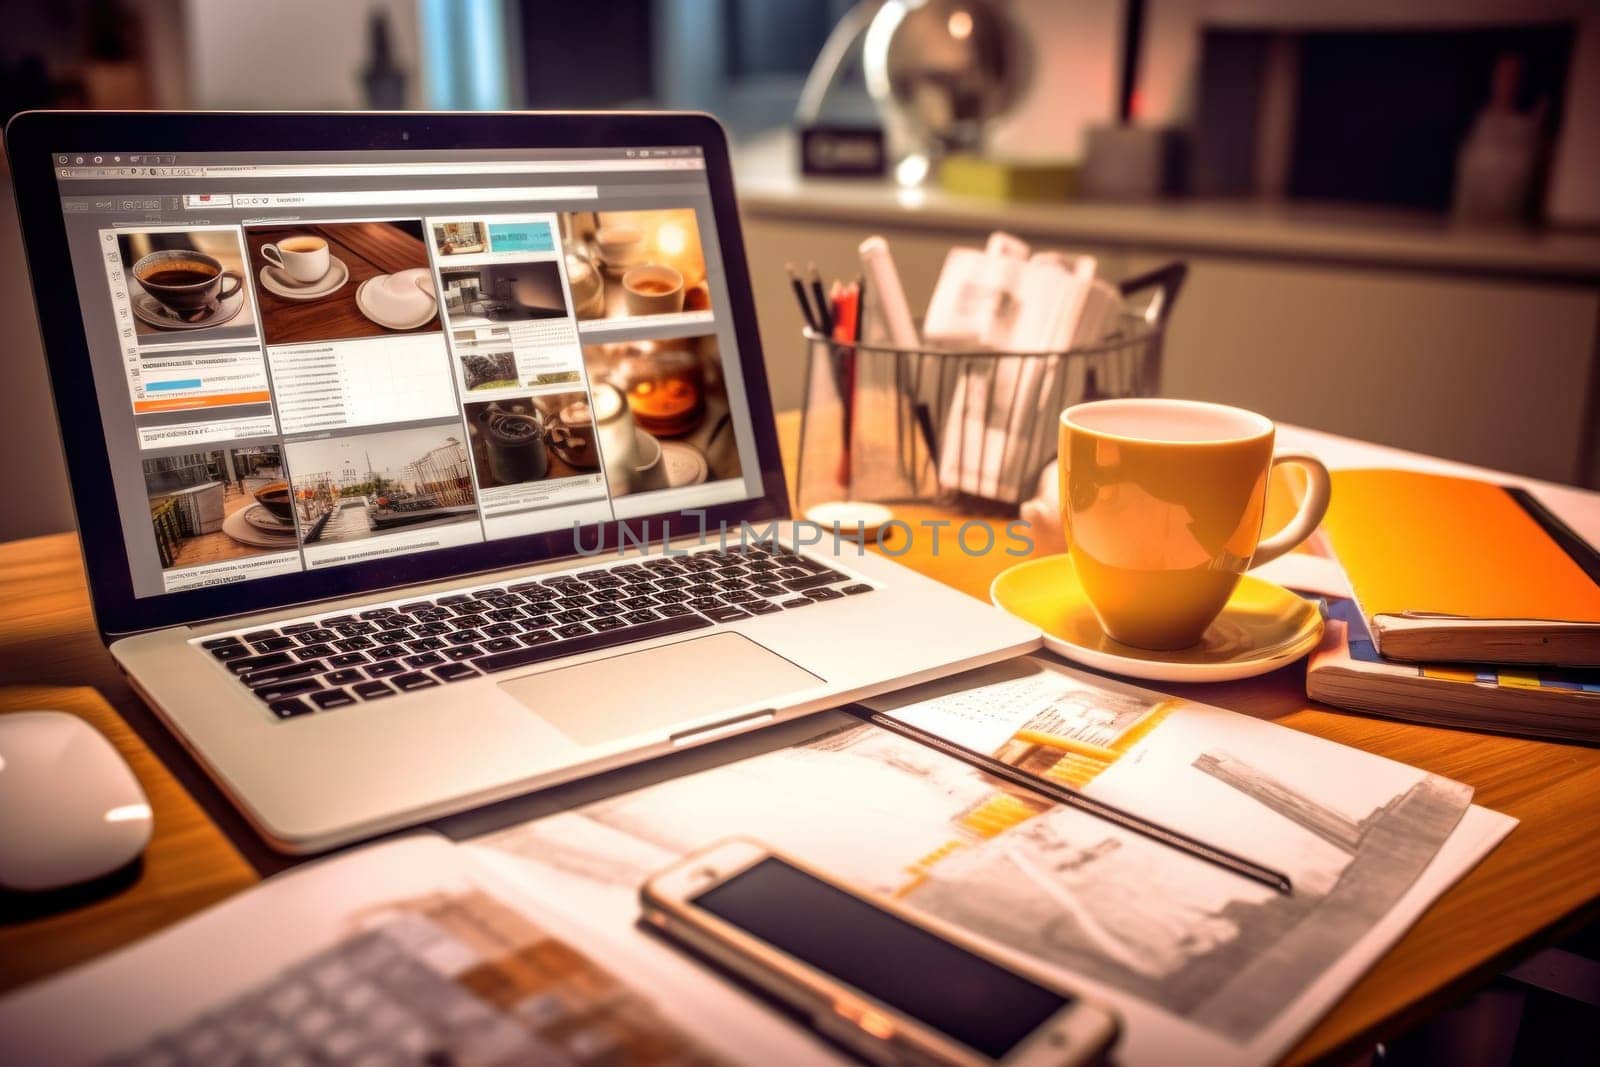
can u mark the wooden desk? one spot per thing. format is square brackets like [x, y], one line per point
[1542, 882]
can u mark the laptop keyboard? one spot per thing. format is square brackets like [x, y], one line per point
[297, 668]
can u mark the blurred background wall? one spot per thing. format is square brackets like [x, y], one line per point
[1330, 284]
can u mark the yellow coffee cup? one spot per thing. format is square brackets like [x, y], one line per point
[1162, 503]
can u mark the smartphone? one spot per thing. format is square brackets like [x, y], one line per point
[893, 986]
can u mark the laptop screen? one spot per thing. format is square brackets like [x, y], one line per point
[307, 361]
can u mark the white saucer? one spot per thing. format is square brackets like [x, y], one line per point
[398, 301]
[147, 308]
[684, 464]
[275, 281]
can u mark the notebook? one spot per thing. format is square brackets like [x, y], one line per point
[1347, 672]
[1454, 570]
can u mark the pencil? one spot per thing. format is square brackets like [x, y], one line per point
[804, 301]
[1068, 744]
[1072, 798]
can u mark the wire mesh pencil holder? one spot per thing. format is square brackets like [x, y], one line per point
[961, 428]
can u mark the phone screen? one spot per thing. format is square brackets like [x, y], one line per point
[969, 999]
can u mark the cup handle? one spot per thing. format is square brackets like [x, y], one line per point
[224, 292]
[1312, 509]
[271, 254]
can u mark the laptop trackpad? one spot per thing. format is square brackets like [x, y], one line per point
[658, 688]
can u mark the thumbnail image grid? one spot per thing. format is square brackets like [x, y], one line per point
[185, 285]
[635, 264]
[673, 397]
[354, 486]
[532, 439]
[215, 505]
[335, 281]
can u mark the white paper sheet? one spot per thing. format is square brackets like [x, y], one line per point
[1202, 964]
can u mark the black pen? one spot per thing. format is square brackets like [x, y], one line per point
[824, 308]
[804, 301]
[1072, 798]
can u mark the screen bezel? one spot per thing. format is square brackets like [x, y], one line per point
[33, 137]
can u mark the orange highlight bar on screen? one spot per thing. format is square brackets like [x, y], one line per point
[219, 400]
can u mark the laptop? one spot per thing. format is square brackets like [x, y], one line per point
[425, 460]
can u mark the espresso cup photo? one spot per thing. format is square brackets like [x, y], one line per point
[653, 290]
[188, 284]
[1162, 504]
[304, 258]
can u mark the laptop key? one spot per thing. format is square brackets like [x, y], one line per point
[770, 590]
[674, 611]
[627, 635]
[332, 698]
[271, 675]
[824, 594]
[297, 627]
[376, 613]
[314, 652]
[857, 589]
[726, 613]
[346, 677]
[256, 663]
[816, 581]
[640, 616]
[347, 659]
[289, 707]
[431, 629]
[572, 629]
[469, 622]
[385, 669]
[353, 644]
[455, 672]
[762, 607]
[220, 642]
[502, 629]
[372, 690]
[227, 652]
[316, 636]
[274, 643]
[603, 610]
[335, 620]
[799, 602]
[425, 644]
[260, 635]
[464, 637]
[292, 688]
[389, 637]
[498, 644]
[425, 659]
[538, 622]
[416, 680]
[538, 637]
[601, 625]
[385, 651]
[460, 652]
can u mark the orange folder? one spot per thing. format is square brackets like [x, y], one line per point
[1459, 570]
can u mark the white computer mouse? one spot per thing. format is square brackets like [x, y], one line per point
[70, 807]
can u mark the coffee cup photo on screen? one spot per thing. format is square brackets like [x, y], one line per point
[184, 285]
[354, 486]
[532, 439]
[336, 281]
[662, 412]
[218, 504]
[635, 264]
